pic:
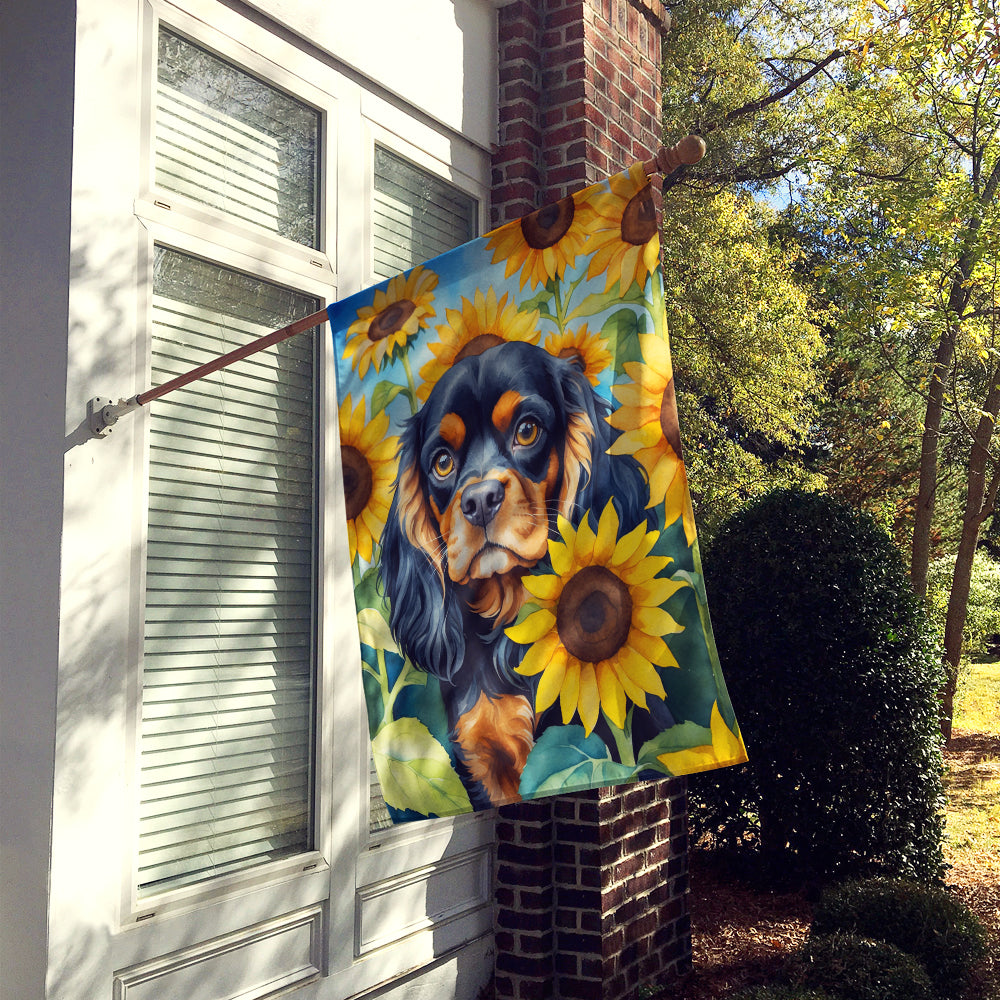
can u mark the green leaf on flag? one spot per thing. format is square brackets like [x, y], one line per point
[385, 392]
[683, 736]
[564, 759]
[416, 771]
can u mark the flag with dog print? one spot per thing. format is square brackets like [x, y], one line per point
[531, 609]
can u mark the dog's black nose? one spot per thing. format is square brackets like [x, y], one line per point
[481, 501]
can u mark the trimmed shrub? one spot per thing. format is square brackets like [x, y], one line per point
[926, 922]
[857, 968]
[834, 674]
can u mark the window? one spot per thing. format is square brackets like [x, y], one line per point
[229, 645]
[416, 216]
[227, 701]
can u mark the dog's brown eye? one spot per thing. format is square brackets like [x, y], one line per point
[526, 433]
[443, 465]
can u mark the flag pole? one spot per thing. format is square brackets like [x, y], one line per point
[103, 413]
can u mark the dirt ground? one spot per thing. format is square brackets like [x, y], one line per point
[742, 935]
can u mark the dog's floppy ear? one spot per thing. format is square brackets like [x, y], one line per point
[593, 474]
[424, 615]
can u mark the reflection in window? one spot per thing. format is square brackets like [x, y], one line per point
[228, 140]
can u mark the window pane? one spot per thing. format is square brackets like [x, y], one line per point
[228, 658]
[416, 217]
[231, 141]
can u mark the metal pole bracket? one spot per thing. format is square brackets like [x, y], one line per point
[103, 413]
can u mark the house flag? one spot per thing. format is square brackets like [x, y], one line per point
[530, 602]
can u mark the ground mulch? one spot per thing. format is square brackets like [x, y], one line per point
[742, 933]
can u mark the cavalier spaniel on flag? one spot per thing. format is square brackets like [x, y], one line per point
[507, 440]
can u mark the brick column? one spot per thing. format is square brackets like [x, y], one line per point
[591, 889]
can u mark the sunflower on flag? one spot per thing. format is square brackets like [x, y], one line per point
[596, 637]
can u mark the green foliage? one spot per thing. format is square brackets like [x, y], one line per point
[924, 921]
[856, 968]
[833, 673]
[983, 611]
[747, 356]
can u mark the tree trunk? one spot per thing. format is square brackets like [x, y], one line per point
[920, 553]
[979, 500]
[958, 300]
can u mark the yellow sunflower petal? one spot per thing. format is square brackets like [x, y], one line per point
[641, 550]
[612, 694]
[628, 544]
[641, 671]
[583, 548]
[561, 557]
[538, 656]
[728, 745]
[546, 587]
[656, 355]
[654, 621]
[655, 592]
[662, 478]
[569, 693]
[590, 698]
[607, 534]
[643, 570]
[538, 624]
[631, 689]
[552, 681]
[652, 647]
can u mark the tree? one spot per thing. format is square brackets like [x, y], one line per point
[748, 356]
[914, 185]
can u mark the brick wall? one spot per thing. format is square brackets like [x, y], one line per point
[591, 889]
[579, 96]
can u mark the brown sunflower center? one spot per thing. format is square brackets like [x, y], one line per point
[594, 614]
[639, 218]
[391, 319]
[668, 418]
[357, 480]
[548, 225]
[483, 342]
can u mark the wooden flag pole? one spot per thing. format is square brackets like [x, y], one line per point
[687, 152]
[103, 413]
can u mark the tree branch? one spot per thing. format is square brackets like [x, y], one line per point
[754, 106]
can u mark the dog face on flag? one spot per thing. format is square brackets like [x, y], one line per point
[507, 441]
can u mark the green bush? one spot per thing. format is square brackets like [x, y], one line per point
[856, 968]
[834, 674]
[925, 922]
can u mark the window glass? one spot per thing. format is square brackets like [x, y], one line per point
[228, 673]
[235, 143]
[416, 215]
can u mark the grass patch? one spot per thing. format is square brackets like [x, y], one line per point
[973, 782]
[977, 699]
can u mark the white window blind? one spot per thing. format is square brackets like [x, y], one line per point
[228, 660]
[228, 140]
[416, 217]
